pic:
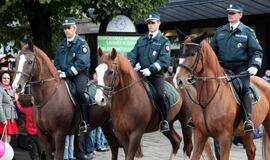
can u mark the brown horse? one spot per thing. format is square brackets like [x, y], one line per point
[53, 109]
[132, 111]
[218, 114]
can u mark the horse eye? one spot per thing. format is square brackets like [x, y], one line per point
[29, 62]
[110, 72]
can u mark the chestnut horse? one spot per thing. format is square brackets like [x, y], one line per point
[132, 111]
[53, 110]
[218, 114]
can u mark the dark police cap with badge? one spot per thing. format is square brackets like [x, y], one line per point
[234, 8]
[153, 16]
[69, 21]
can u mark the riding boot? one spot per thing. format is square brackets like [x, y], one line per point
[246, 105]
[164, 125]
[84, 124]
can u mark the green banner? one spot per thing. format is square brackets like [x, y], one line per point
[122, 44]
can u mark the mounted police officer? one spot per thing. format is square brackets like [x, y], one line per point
[152, 51]
[238, 50]
[72, 60]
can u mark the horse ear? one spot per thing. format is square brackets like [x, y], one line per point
[30, 45]
[19, 44]
[180, 34]
[113, 54]
[199, 38]
[100, 53]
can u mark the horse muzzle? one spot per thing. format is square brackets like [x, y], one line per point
[100, 98]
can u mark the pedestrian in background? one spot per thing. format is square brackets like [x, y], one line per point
[25, 104]
[8, 114]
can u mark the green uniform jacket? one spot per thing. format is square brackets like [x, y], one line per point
[238, 47]
[153, 54]
[72, 60]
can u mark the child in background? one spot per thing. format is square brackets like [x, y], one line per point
[25, 104]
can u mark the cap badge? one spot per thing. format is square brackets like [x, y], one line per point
[150, 15]
[66, 21]
[230, 6]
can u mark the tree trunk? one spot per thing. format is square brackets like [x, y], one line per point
[39, 19]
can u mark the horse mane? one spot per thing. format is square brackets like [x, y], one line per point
[211, 59]
[127, 71]
[43, 56]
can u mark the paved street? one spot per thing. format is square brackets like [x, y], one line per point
[157, 147]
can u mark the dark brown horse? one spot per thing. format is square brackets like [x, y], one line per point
[131, 110]
[53, 109]
[218, 114]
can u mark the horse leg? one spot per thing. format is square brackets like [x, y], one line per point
[266, 139]
[59, 139]
[208, 150]
[187, 135]
[225, 145]
[112, 140]
[45, 146]
[175, 140]
[199, 143]
[249, 146]
[133, 145]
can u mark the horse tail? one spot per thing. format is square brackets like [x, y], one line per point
[265, 145]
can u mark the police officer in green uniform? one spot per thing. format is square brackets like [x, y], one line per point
[152, 52]
[72, 60]
[238, 50]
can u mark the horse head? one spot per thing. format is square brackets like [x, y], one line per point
[107, 76]
[25, 67]
[191, 58]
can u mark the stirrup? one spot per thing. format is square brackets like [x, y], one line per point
[164, 126]
[83, 127]
[248, 126]
[190, 123]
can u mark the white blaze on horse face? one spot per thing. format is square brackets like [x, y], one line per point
[18, 75]
[99, 97]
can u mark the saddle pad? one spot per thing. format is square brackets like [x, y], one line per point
[254, 93]
[171, 94]
[91, 90]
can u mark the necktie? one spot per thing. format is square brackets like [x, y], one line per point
[150, 36]
[69, 43]
[231, 28]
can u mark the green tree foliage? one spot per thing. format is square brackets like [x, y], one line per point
[42, 18]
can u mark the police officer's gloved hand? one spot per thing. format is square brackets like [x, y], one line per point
[252, 70]
[146, 72]
[62, 75]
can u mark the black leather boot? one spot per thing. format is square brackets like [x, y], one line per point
[246, 104]
[164, 125]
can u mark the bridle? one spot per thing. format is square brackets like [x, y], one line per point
[109, 90]
[38, 82]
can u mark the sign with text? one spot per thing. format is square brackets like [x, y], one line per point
[122, 44]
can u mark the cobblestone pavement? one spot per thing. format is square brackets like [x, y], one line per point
[156, 146]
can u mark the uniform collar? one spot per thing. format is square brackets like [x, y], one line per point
[235, 25]
[227, 27]
[71, 39]
[154, 33]
[157, 37]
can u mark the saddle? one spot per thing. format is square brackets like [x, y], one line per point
[236, 87]
[171, 95]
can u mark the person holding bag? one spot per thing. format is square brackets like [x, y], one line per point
[8, 114]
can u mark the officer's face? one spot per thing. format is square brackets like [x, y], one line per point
[234, 17]
[153, 25]
[70, 31]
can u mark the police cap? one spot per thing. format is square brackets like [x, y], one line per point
[69, 21]
[153, 16]
[234, 8]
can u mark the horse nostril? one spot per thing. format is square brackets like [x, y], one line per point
[102, 100]
[180, 83]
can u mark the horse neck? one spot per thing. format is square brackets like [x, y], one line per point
[210, 68]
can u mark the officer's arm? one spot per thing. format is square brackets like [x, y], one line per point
[164, 58]
[82, 61]
[214, 44]
[133, 55]
[255, 50]
[56, 60]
